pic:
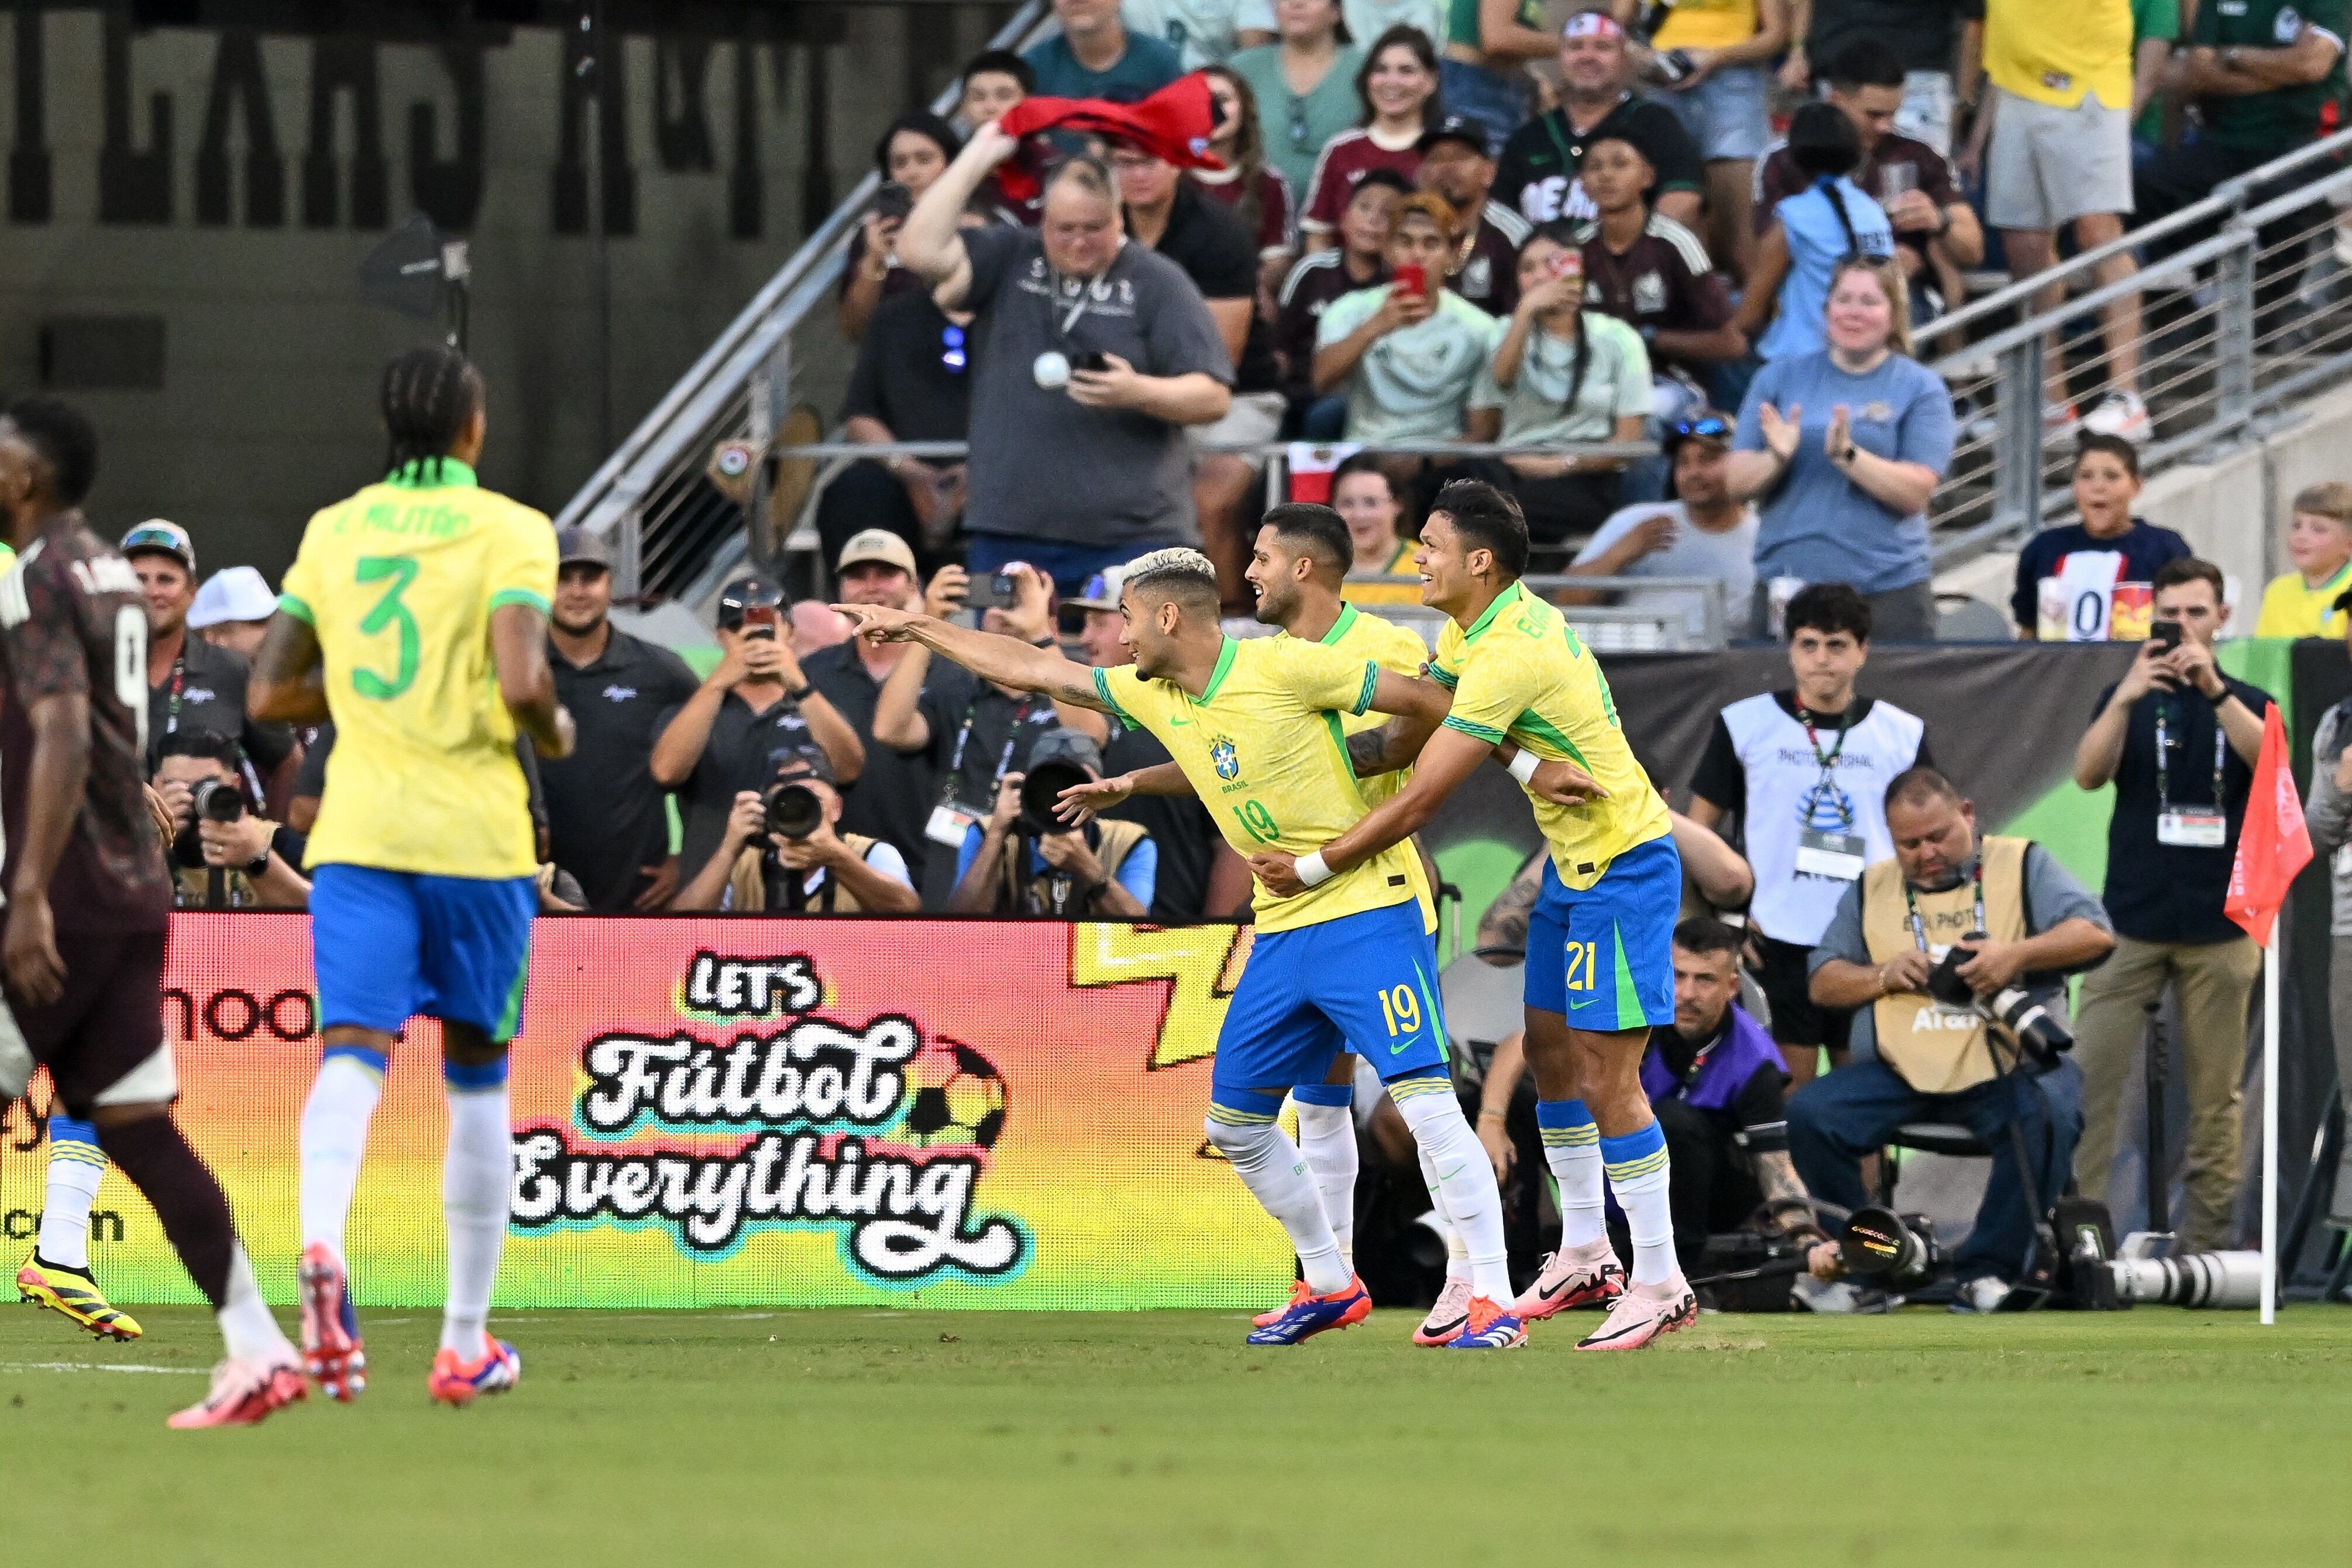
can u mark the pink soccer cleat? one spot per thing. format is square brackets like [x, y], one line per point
[1447, 1315]
[332, 1347]
[1586, 1276]
[1642, 1314]
[460, 1382]
[242, 1392]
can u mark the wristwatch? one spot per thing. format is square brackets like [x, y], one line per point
[259, 866]
[803, 694]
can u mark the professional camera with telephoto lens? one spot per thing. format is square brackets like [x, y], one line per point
[1041, 789]
[1899, 1251]
[795, 810]
[2199, 1279]
[2035, 1028]
[217, 800]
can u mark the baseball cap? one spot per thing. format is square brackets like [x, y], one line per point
[157, 537]
[876, 544]
[802, 762]
[232, 593]
[1074, 746]
[577, 544]
[745, 591]
[1102, 590]
[1708, 425]
[1459, 128]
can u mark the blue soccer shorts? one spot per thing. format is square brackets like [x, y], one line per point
[1604, 957]
[390, 945]
[1365, 983]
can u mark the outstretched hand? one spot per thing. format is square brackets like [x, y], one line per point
[1081, 803]
[881, 623]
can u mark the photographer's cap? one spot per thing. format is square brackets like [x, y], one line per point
[233, 594]
[1102, 590]
[876, 544]
[801, 765]
[744, 591]
[1074, 746]
[157, 537]
[577, 547]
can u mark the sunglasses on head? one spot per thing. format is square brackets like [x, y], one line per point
[1710, 429]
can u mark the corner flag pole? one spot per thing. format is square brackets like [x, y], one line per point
[2270, 1127]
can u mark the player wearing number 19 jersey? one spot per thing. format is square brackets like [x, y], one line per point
[425, 599]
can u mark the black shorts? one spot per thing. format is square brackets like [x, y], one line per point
[1796, 1019]
[108, 1021]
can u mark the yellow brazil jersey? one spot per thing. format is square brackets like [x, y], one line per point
[1391, 648]
[2057, 54]
[399, 583]
[2293, 609]
[1264, 751]
[1707, 25]
[1522, 671]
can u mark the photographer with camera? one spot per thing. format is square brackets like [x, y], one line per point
[1027, 861]
[223, 857]
[782, 854]
[1955, 955]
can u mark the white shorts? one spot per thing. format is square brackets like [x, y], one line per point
[1926, 111]
[1254, 419]
[2048, 166]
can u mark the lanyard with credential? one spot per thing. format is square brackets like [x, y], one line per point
[1825, 785]
[1003, 759]
[2164, 766]
[1920, 927]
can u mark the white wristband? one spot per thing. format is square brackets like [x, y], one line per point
[1523, 766]
[1312, 871]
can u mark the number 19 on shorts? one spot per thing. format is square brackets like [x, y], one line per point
[1402, 1011]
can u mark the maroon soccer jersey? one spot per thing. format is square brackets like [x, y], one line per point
[71, 623]
[1664, 280]
[1347, 158]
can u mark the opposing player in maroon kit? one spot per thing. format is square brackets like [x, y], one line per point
[89, 899]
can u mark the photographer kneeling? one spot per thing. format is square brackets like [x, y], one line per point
[1029, 862]
[1954, 954]
[782, 855]
[223, 857]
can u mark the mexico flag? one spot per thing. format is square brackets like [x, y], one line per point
[1311, 467]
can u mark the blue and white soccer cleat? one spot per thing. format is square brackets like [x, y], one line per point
[460, 1382]
[1307, 1316]
[1490, 1327]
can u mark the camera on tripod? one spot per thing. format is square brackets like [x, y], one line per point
[217, 800]
[2035, 1028]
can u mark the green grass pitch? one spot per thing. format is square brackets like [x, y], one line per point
[2150, 1438]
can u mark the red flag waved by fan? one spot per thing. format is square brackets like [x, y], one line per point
[1174, 123]
[2273, 845]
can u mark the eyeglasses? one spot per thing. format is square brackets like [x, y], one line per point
[1713, 427]
[951, 353]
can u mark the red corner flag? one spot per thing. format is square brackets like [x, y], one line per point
[2273, 845]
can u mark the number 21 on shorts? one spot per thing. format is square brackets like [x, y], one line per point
[1583, 959]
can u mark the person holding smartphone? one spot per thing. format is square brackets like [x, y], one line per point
[1407, 352]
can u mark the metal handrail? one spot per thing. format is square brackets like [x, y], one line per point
[1624, 449]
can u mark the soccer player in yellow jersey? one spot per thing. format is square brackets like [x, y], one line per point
[1600, 971]
[1253, 728]
[415, 616]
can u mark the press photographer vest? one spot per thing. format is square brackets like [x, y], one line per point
[747, 884]
[1027, 895]
[191, 885]
[1936, 1049]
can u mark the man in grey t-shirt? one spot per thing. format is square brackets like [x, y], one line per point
[1699, 531]
[1089, 356]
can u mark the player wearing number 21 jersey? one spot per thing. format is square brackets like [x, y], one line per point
[1254, 728]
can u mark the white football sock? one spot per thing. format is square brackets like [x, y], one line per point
[1326, 1138]
[247, 1330]
[76, 1168]
[476, 1185]
[1640, 1174]
[1465, 1189]
[1271, 1167]
[1573, 1150]
[334, 1139]
[1457, 1251]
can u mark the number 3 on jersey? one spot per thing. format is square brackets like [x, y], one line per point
[389, 612]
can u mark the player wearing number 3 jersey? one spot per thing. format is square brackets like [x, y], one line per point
[421, 604]
[1254, 729]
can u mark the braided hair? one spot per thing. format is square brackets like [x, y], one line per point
[429, 396]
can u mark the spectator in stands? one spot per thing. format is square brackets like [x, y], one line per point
[1249, 187]
[1407, 357]
[1725, 53]
[1030, 862]
[914, 152]
[2265, 75]
[1397, 85]
[1489, 44]
[784, 852]
[1321, 276]
[2179, 740]
[755, 708]
[1936, 233]
[1305, 86]
[2327, 813]
[1541, 161]
[994, 81]
[192, 684]
[1367, 501]
[607, 820]
[1812, 232]
[1198, 876]
[248, 862]
[1201, 32]
[1095, 56]
[912, 382]
[1091, 357]
[1256, 23]
[2156, 28]
[1556, 374]
[1844, 448]
[1698, 531]
[2307, 602]
[1805, 770]
[2055, 140]
[2089, 559]
[1928, 36]
[1653, 274]
[1458, 163]
[1168, 213]
[232, 610]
